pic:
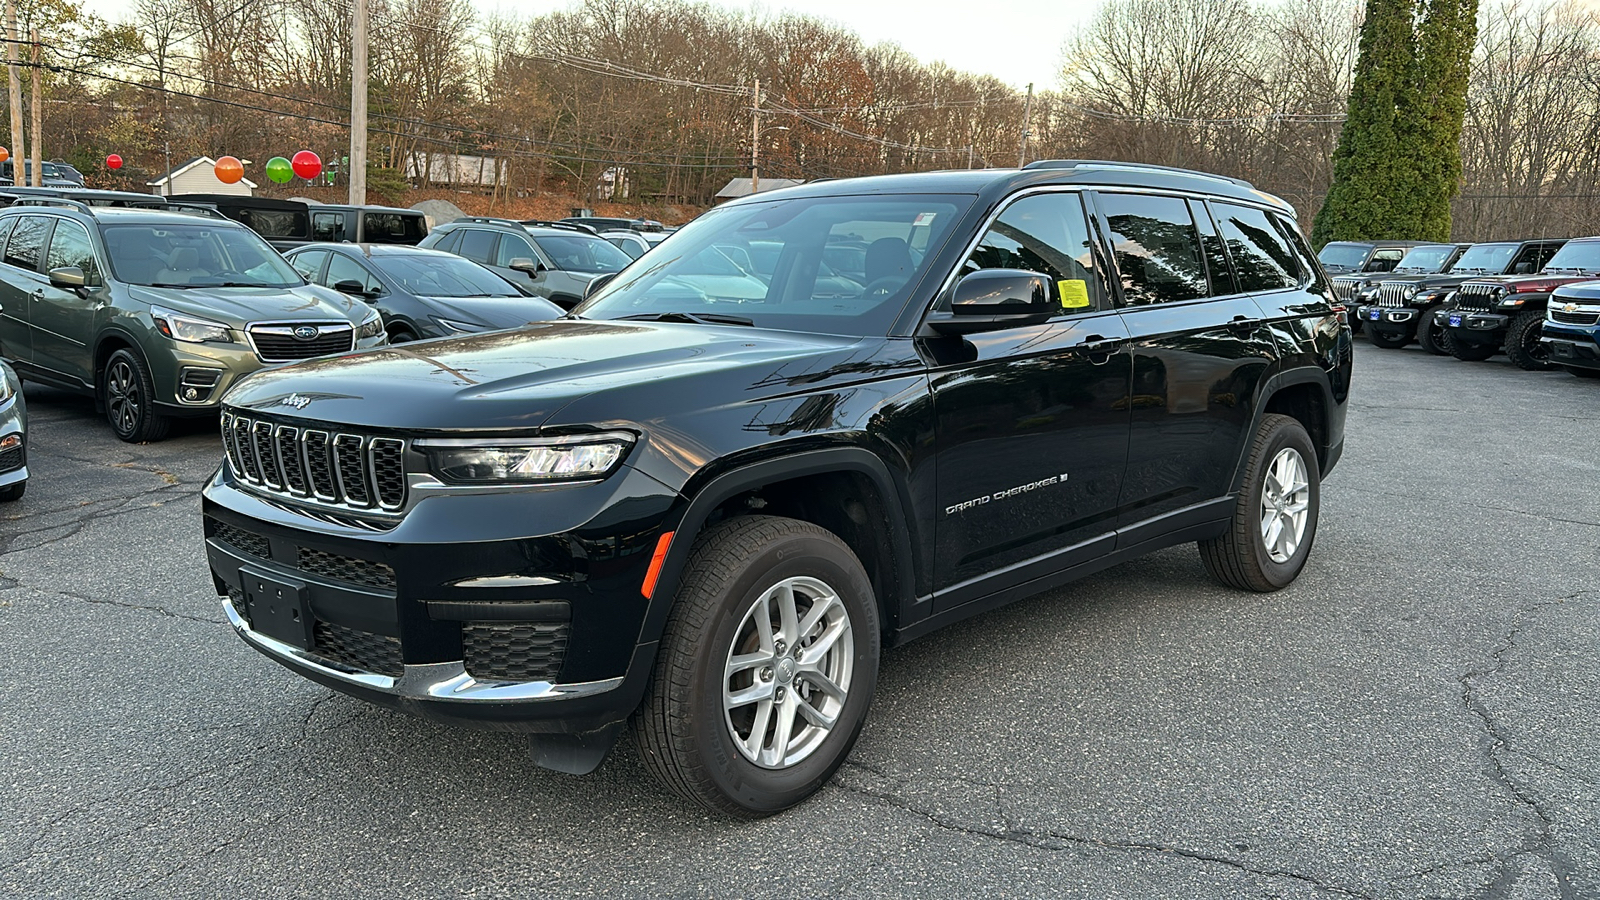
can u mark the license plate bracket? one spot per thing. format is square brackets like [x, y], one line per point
[277, 607]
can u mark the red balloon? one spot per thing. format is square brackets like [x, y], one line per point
[229, 170]
[306, 164]
[113, 161]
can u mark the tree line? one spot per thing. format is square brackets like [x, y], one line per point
[662, 91]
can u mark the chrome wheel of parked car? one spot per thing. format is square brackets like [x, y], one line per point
[788, 672]
[1285, 505]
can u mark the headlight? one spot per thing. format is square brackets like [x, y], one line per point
[458, 327]
[370, 328]
[1415, 291]
[180, 327]
[588, 457]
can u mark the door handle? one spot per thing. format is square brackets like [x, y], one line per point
[1098, 348]
[1243, 324]
[37, 295]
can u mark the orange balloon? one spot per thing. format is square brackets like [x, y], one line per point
[4, 154]
[229, 170]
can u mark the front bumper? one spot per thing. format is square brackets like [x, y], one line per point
[13, 427]
[458, 614]
[1473, 327]
[1575, 347]
[190, 379]
[1392, 320]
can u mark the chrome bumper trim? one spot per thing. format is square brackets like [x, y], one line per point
[446, 681]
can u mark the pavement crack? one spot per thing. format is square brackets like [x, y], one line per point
[1475, 505]
[161, 610]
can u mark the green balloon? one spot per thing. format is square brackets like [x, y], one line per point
[279, 170]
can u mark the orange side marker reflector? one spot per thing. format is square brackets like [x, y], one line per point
[650, 576]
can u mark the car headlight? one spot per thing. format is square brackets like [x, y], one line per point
[370, 328]
[588, 457]
[189, 329]
[455, 327]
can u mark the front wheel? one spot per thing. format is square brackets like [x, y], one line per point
[1467, 351]
[14, 492]
[127, 393]
[1431, 337]
[1522, 342]
[1275, 517]
[766, 668]
[1387, 341]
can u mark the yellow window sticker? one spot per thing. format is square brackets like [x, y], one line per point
[1074, 293]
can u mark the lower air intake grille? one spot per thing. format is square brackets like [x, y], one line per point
[497, 651]
[358, 649]
[345, 568]
[248, 542]
[11, 459]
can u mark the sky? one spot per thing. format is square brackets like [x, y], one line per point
[1017, 41]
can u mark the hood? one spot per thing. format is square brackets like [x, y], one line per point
[1529, 283]
[519, 379]
[494, 312]
[1586, 292]
[238, 306]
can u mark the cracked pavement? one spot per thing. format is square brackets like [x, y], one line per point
[1418, 716]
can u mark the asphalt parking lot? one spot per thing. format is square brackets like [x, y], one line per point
[1418, 716]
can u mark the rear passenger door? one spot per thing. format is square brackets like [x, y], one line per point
[23, 286]
[16, 344]
[1199, 355]
[64, 317]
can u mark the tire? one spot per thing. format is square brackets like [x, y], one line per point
[401, 336]
[1469, 352]
[126, 393]
[1522, 343]
[1581, 372]
[1242, 557]
[14, 492]
[1386, 341]
[1431, 337]
[693, 734]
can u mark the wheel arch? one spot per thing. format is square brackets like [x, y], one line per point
[1303, 394]
[108, 342]
[846, 490]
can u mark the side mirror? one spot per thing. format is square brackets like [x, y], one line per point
[596, 283]
[992, 299]
[523, 264]
[1522, 268]
[68, 277]
[354, 288]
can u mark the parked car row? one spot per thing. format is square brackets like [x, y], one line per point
[1530, 299]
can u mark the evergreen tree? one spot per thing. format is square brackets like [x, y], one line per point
[1374, 183]
[1445, 40]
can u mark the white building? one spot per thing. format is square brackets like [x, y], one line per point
[199, 176]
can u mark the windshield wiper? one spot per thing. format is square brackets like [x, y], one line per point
[164, 285]
[692, 318]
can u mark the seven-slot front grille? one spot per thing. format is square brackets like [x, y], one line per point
[1556, 315]
[354, 471]
[1394, 293]
[1344, 287]
[284, 343]
[1476, 296]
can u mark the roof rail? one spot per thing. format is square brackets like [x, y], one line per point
[1092, 164]
[489, 220]
[36, 200]
[570, 226]
[210, 211]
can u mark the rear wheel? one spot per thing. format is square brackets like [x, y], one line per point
[1275, 517]
[127, 394]
[1522, 342]
[766, 668]
[1469, 352]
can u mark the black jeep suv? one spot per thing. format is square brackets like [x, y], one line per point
[705, 512]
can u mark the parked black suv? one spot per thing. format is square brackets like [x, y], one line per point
[1400, 310]
[367, 224]
[553, 260]
[1487, 313]
[1423, 259]
[707, 515]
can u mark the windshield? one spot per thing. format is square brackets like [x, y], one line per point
[1576, 257]
[839, 265]
[1345, 255]
[196, 256]
[1484, 259]
[1425, 259]
[583, 254]
[442, 275]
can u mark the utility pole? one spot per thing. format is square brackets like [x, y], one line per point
[18, 152]
[358, 104]
[1027, 116]
[755, 138]
[38, 117]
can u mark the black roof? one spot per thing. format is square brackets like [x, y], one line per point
[370, 208]
[370, 250]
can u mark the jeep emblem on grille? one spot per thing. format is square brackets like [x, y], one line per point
[298, 401]
[306, 332]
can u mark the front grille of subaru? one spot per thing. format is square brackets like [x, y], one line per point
[357, 472]
[1477, 296]
[1394, 294]
[283, 343]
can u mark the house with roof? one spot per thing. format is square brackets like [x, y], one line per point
[740, 187]
[199, 176]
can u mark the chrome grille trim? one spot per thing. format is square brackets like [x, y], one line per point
[341, 470]
[276, 343]
[1476, 295]
[1580, 317]
[1394, 294]
[1344, 287]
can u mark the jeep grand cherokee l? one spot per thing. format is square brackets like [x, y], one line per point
[705, 515]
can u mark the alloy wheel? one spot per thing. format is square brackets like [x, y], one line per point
[122, 397]
[1285, 502]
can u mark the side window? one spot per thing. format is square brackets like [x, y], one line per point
[6, 225]
[512, 247]
[1157, 249]
[27, 242]
[343, 268]
[1262, 259]
[1045, 233]
[1384, 260]
[327, 226]
[477, 244]
[1222, 282]
[447, 244]
[70, 246]
[1532, 258]
[309, 264]
[631, 248]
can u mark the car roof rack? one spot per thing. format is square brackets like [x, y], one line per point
[37, 200]
[570, 226]
[1092, 164]
[488, 220]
